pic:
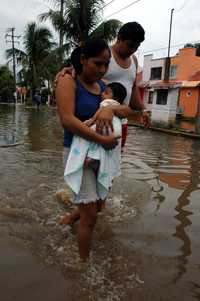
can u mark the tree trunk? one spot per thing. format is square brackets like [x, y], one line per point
[61, 13]
[83, 20]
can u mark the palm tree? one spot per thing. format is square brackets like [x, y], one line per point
[81, 19]
[56, 16]
[6, 84]
[36, 56]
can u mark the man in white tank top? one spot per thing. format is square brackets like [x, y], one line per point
[125, 76]
[123, 65]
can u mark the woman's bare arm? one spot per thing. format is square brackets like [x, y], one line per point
[65, 96]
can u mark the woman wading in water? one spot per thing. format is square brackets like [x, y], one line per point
[78, 100]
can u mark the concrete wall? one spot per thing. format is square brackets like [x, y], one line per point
[165, 113]
[146, 99]
[149, 63]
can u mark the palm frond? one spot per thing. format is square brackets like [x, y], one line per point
[19, 55]
[81, 18]
[107, 30]
[55, 18]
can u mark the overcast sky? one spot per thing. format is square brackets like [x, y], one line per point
[153, 15]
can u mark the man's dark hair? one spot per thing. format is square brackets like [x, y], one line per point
[132, 31]
[91, 48]
[119, 91]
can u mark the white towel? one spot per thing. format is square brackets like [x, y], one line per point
[109, 162]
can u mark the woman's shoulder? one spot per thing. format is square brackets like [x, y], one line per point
[67, 79]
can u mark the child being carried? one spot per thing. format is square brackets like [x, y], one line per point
[87, 154]
[114, 94]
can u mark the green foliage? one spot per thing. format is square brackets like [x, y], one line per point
[159, 124]
[107, 30]
[6, 84]
[39, 59]
[170, 125]
[81, 20]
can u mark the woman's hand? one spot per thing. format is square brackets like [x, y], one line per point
[109, 142]
[103, 120]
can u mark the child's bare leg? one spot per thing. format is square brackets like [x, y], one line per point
[88, 216]
[88, 161]
[71, 218]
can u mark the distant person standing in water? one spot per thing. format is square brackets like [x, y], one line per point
[38, 100]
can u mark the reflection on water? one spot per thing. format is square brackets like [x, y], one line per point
[183, 214]
[188, 126]
[168, 225]
[196, 291]
[13, 124]
[184, 221]
[7, 139]
[176, 162]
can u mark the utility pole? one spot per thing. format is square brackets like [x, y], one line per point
[13, 41]
[167, 63]
[61, 14]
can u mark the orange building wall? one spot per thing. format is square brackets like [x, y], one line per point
[187, 62]
[189, 104]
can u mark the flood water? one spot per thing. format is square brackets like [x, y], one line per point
[146, 242]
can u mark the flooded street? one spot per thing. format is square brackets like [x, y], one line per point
[146, 243]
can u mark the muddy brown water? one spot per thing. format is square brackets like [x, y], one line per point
[146, 243]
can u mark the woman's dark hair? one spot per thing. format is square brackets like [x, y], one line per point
[91, 48]
[94, 47]
[76, 59]
[119, 91]
[132, 31]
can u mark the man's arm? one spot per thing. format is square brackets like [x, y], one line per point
[136, 102]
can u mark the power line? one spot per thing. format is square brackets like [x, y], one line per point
[173, 46]
[105, 5]
[108, 4]
[123, 8]
[182, 6]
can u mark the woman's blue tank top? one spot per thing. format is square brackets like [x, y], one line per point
[86, 105]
